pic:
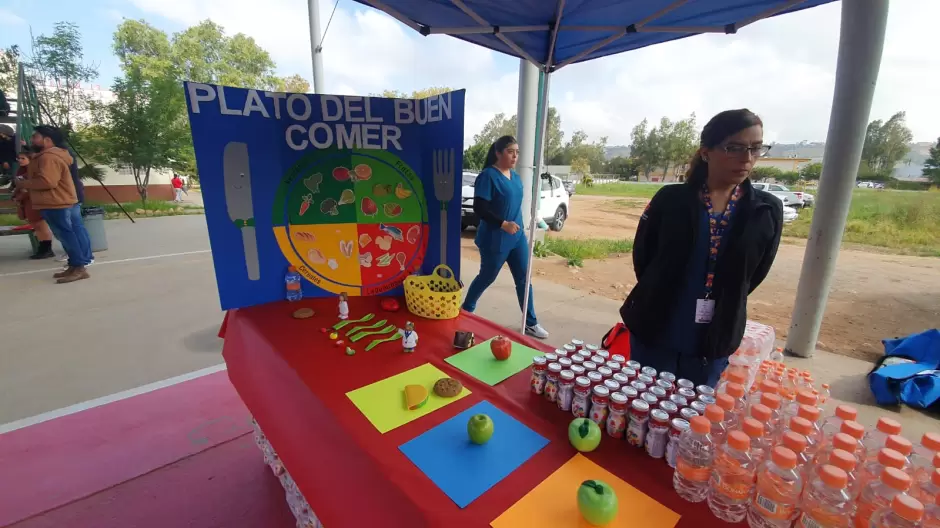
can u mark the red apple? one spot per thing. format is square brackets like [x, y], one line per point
[501, 347]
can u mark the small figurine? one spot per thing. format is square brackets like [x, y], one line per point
[343, 306]
[409, 338]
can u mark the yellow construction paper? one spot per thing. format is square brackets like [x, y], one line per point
[383, 402]
[554, 502]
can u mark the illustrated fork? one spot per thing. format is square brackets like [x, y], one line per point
[443, 167]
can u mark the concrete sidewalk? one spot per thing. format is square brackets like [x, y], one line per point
[151, 312]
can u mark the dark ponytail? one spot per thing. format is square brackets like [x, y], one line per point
[498, 146]
[718, 128]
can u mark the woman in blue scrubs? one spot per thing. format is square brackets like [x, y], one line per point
[497, 201]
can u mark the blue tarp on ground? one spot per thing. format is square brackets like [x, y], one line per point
[588, 29]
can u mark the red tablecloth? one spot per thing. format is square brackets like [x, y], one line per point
[294, 380]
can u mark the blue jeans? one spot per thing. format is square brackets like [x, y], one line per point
[490, 263]
[67, 226]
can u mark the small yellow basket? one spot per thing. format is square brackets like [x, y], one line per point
[434, 296]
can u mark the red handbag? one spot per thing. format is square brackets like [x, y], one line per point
[617, 340]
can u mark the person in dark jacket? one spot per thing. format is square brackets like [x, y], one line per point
[701, 247]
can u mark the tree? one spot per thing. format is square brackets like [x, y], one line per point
[679, 141]
[580, 166]
[932, 164]
[416, 94]
[9, 68]
[475, 156]
[886, 143]
[623, 167]
[645, 147]
[765, 173]
[811, 172]
[500, 126]
[292, 84]
[789, 177]
[593, 153]
[57, 65]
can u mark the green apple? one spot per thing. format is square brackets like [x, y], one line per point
[480, 428]
[584, 434]
[597, 502]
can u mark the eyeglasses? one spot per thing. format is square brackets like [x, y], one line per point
[736, 150]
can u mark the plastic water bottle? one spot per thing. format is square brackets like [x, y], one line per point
[824, 394]
[760, 447]
[826, 501]
[856, 431]
[840, 442]
[716, 415]
[767, 386]
[848, 463]
[797, 443]
[878, 494]
[730, 422]
[737, 392]
[901, 445]
[811, 414]
[905, 512]
[874, 440]
[777, 355]
[803, 397]
[927, 492]
[931, 514]
[773, 402]
[871, 469]
[832, 424]
[922, 459]
[292, 282]
[732, 479]
[777, 494]
[694, 460]
[804, 428]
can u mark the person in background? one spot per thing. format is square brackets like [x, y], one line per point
[701, 247]
[26, 212]
[177, 184]
[52, 192]
[7, 153]
[497, 201]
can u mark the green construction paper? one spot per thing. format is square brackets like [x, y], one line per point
[479, 362]
[383, 402]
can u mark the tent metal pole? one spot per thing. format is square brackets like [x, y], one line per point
[527, 130]
[316, 51]
[861, 42]
[542, 120]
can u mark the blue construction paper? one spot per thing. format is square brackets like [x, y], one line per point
[464, 470]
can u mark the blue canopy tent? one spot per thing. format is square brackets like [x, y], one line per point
[552, 34]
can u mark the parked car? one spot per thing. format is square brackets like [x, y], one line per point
[865, 185]
[570, 187]
[790, 198]
[553, 202]
[789, 214]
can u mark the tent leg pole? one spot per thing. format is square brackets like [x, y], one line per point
[542, 121]
[861, 42]
[527, 128]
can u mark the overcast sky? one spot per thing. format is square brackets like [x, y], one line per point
[782, 68]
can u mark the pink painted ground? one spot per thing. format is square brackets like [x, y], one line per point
[178, 456]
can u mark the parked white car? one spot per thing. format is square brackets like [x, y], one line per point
[553, 202]
[790, 198]
[789, 214]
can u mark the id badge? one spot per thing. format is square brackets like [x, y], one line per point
[704, 310]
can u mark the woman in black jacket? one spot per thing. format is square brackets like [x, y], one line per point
[701, 247]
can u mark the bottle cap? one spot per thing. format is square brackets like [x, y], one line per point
[935, 477]
[907, 507]
[801, 425]
[805, 397]
[896, 479]
[809, 412]
[783, 457]
[714, 413]
[936, 460]
[769, 387]
[846, 412]
[890, 458]
[843, 460]
[761, 412]
[931, 441]
[900, 444]
[853, 429]
[735, 390]
[700, 425]
[770, 400]
[725, 401]
[738, 440]
[844, 442]
[888, 426]
[736, 376]
[793, 441]
[752, 428]
[833, 476]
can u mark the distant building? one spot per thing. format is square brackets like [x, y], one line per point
[784, 164]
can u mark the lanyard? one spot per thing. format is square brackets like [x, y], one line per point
[716, 230]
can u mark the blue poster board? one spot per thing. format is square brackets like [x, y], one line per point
[355, 193]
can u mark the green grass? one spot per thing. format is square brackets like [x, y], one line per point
[578, 249]
[166, 207]
[636, 190]
[903, 221]
[10, 220]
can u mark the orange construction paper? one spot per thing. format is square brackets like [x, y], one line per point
[554, 502]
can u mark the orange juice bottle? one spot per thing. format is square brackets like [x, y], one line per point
[905, 512]
[878, 494]
[826, 502]
[732, 479]
[777, 494]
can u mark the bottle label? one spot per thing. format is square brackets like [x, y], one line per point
[808, 522]
[692, 473]
[735, 487]
[772, 509]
